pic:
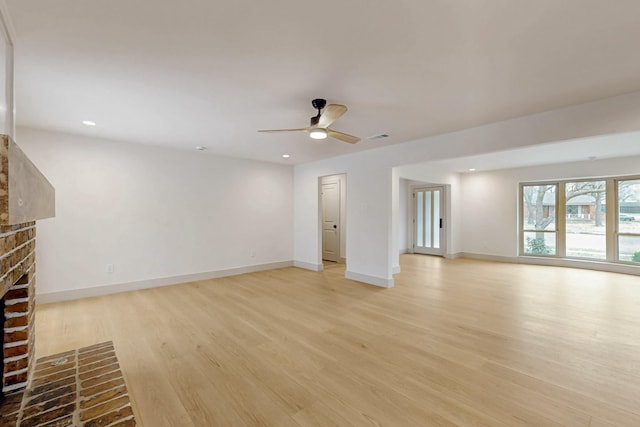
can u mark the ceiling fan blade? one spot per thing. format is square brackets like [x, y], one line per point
[331, 114]
[345, 137]
[285, 130]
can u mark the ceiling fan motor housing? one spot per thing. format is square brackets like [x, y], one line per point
[319, 103]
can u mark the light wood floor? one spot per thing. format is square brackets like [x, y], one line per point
[456, 342]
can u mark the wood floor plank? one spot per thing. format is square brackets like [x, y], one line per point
[455, 342]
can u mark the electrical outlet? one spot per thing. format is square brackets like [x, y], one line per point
[110, 268]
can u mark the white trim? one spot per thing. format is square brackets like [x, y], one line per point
[633, 270]
[396, 269]
[454, 255]
[9, 388]
[71, 294]
[9, 32]
[7, 22]
[371, 280]
[308, 265]
[404, 251]
[485, 257]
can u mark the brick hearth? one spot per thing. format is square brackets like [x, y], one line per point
[82, 387]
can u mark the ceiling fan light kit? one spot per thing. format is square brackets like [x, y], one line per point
[318, 133]
[319, 124]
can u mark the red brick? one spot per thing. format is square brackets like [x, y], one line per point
[103, 397]
[53, 369]
[38, 408]
[20, 307]
[99, 364]
[16, 365]
[53, 394]
[106, 408]
[95, 381]
[17, 293]
[53, 377]
[92, 391]
[44, 360]
[50, 386]
[23, 280]
[16, 336]
[16, 351]
[41, 419]
[16, 379]
[96, 348]
[94, 353]
[16, 321]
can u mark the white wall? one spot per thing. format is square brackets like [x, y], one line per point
[154, 213]
[434, 174]
[490, 225]
[372, 187]
[403, 216]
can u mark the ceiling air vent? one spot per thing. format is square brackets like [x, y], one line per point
[379, 136]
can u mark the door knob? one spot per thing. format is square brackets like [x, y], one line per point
[335, 226]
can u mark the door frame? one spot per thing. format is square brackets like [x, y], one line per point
[342, 178]
[444, 196]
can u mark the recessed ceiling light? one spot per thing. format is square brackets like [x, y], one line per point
[472, 169]
[200, 148]
[286, 156]
[88, 123]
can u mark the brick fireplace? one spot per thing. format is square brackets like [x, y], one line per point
[25, 196]
[17, 286]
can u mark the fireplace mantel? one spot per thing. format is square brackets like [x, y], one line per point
[25, 194]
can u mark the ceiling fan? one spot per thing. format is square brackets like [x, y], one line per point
[319, 126]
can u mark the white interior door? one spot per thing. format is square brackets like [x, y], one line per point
[331, 221]
[428, 220]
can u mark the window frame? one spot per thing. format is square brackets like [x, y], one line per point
[522, 230]
[612, 220]
[616, 233]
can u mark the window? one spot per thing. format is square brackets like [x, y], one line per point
[538, 235]
[585, 231]
[628, 231]
[599, 220]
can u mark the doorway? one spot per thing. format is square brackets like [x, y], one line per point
[428, 220]
[332, 202]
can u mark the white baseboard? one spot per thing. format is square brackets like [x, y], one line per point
[371, 280]
[454, 255]
[486, 257]
[95, 291]
[404, 251]
[558, 262]
[396, 269]
[308, 266]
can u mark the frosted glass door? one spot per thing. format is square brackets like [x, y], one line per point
[428, 220]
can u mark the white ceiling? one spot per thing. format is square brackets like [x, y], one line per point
[211, 73]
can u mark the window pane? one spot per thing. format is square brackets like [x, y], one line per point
[419, 219]
[427, 213]
[436, 219]
[586, 222]
[629, 206]
[629, 248]
[539, 202]
[539, 243]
